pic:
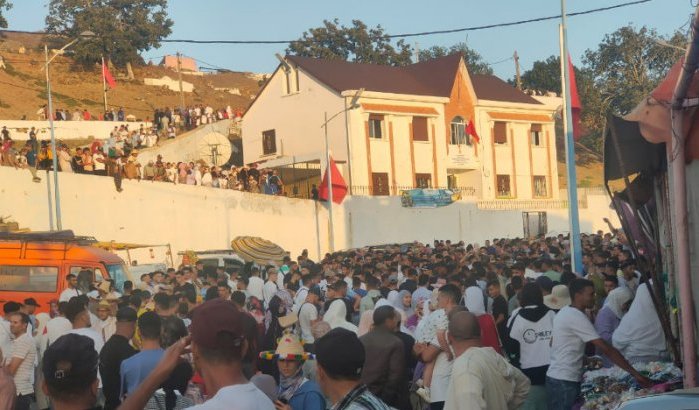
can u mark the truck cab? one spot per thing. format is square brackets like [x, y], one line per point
[36, 265]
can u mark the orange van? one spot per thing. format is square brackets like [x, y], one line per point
[36, 264]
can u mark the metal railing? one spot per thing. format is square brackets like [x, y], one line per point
[394, 190]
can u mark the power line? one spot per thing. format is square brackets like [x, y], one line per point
[425, 33]
[502, 61]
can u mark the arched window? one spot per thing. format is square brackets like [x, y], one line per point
[458, 132]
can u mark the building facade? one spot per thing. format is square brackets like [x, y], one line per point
[409, 129]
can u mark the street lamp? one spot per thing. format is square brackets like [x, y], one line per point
[352, 105]
[84, 34]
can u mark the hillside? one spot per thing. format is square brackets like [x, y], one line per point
[23, 84]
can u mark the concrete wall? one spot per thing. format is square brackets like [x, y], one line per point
[65, 130]
[186, 147]
[193, 217]
[296, 119]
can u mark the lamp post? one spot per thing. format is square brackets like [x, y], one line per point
[84, 34]
[353, 104]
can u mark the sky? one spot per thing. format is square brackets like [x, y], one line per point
[287, 20]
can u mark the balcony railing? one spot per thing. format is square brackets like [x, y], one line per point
[394, 190]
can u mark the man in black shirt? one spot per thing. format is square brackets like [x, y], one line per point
[499, 309]
[116, 350]
[410, 283]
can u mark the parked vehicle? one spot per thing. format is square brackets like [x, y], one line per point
[676, 400]
[36, 264]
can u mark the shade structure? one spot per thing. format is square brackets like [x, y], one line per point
[258, 250]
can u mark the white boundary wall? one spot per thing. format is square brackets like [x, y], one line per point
[193, 217]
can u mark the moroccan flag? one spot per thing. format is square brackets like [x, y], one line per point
[108, 76]
[471, 130]
[338, 183]
[575, 105]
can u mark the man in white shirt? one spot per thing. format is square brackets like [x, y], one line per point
[270, 289]
[300, 297]
[308, 316]
[255, 283]
[59, 325]
[481, 378]
[106, 321]
[71, 290]
[572, 329]
[20, 363]
[79, 317]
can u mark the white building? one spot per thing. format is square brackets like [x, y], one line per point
[408, 131]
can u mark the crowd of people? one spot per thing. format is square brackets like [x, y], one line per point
[505, 325]
[117, 157]
[186, 118]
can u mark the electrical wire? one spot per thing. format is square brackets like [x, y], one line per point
[425, 33]
[502, 61]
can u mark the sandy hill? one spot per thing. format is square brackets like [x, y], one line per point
[23, 85]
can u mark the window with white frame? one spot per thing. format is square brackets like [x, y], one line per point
[376, 126]
[458, 132]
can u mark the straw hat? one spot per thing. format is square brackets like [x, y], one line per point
[288, 320]
[104, 305]
[104, 286]
[559, 297]
[289, 348]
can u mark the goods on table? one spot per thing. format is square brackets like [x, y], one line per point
[607, 389]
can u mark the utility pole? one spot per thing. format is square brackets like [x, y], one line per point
[518, 78]
[179, 75]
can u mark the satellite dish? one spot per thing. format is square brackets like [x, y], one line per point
[214, 149]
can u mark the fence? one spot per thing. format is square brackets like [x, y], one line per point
[392, 190]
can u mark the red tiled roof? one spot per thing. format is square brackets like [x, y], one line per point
[430, 78]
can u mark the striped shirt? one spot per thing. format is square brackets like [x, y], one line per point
[360, 398]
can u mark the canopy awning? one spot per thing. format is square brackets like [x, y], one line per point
[122, 246]
[653, 113]
[258, 250]
[627, 152]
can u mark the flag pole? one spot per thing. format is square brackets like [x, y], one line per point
[328, 171]
[573, 214]
[104, 87]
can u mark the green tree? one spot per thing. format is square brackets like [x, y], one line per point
[545, 75]
[4, 6]
[626, 66]
[357, 43]
[474, 61]
[123, 28]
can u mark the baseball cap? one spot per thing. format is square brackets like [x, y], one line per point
[393, 279]
[348, 364]
[70, 363]
[126, 314]
[315, 290]
[31, 302]
[213, 318]
[545, 283]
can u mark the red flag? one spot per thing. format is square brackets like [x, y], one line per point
[108, 76]
[471, 130]
[575, 105]
[339, 185]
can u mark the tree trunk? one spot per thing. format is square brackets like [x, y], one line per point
[129, 71]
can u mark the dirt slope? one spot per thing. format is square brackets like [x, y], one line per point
[23, 85]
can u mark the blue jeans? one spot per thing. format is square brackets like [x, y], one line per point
[561, 394]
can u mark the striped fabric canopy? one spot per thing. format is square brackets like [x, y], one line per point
[258, 250]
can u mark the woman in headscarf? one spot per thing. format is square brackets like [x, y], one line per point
[295, 391]
[395, 299]
[475, 303]
[639, 336]
[615, 306]
[414, 319]
[335, 316]
[273, 331]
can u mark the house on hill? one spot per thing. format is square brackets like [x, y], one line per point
[409, 130]
[188, 64]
